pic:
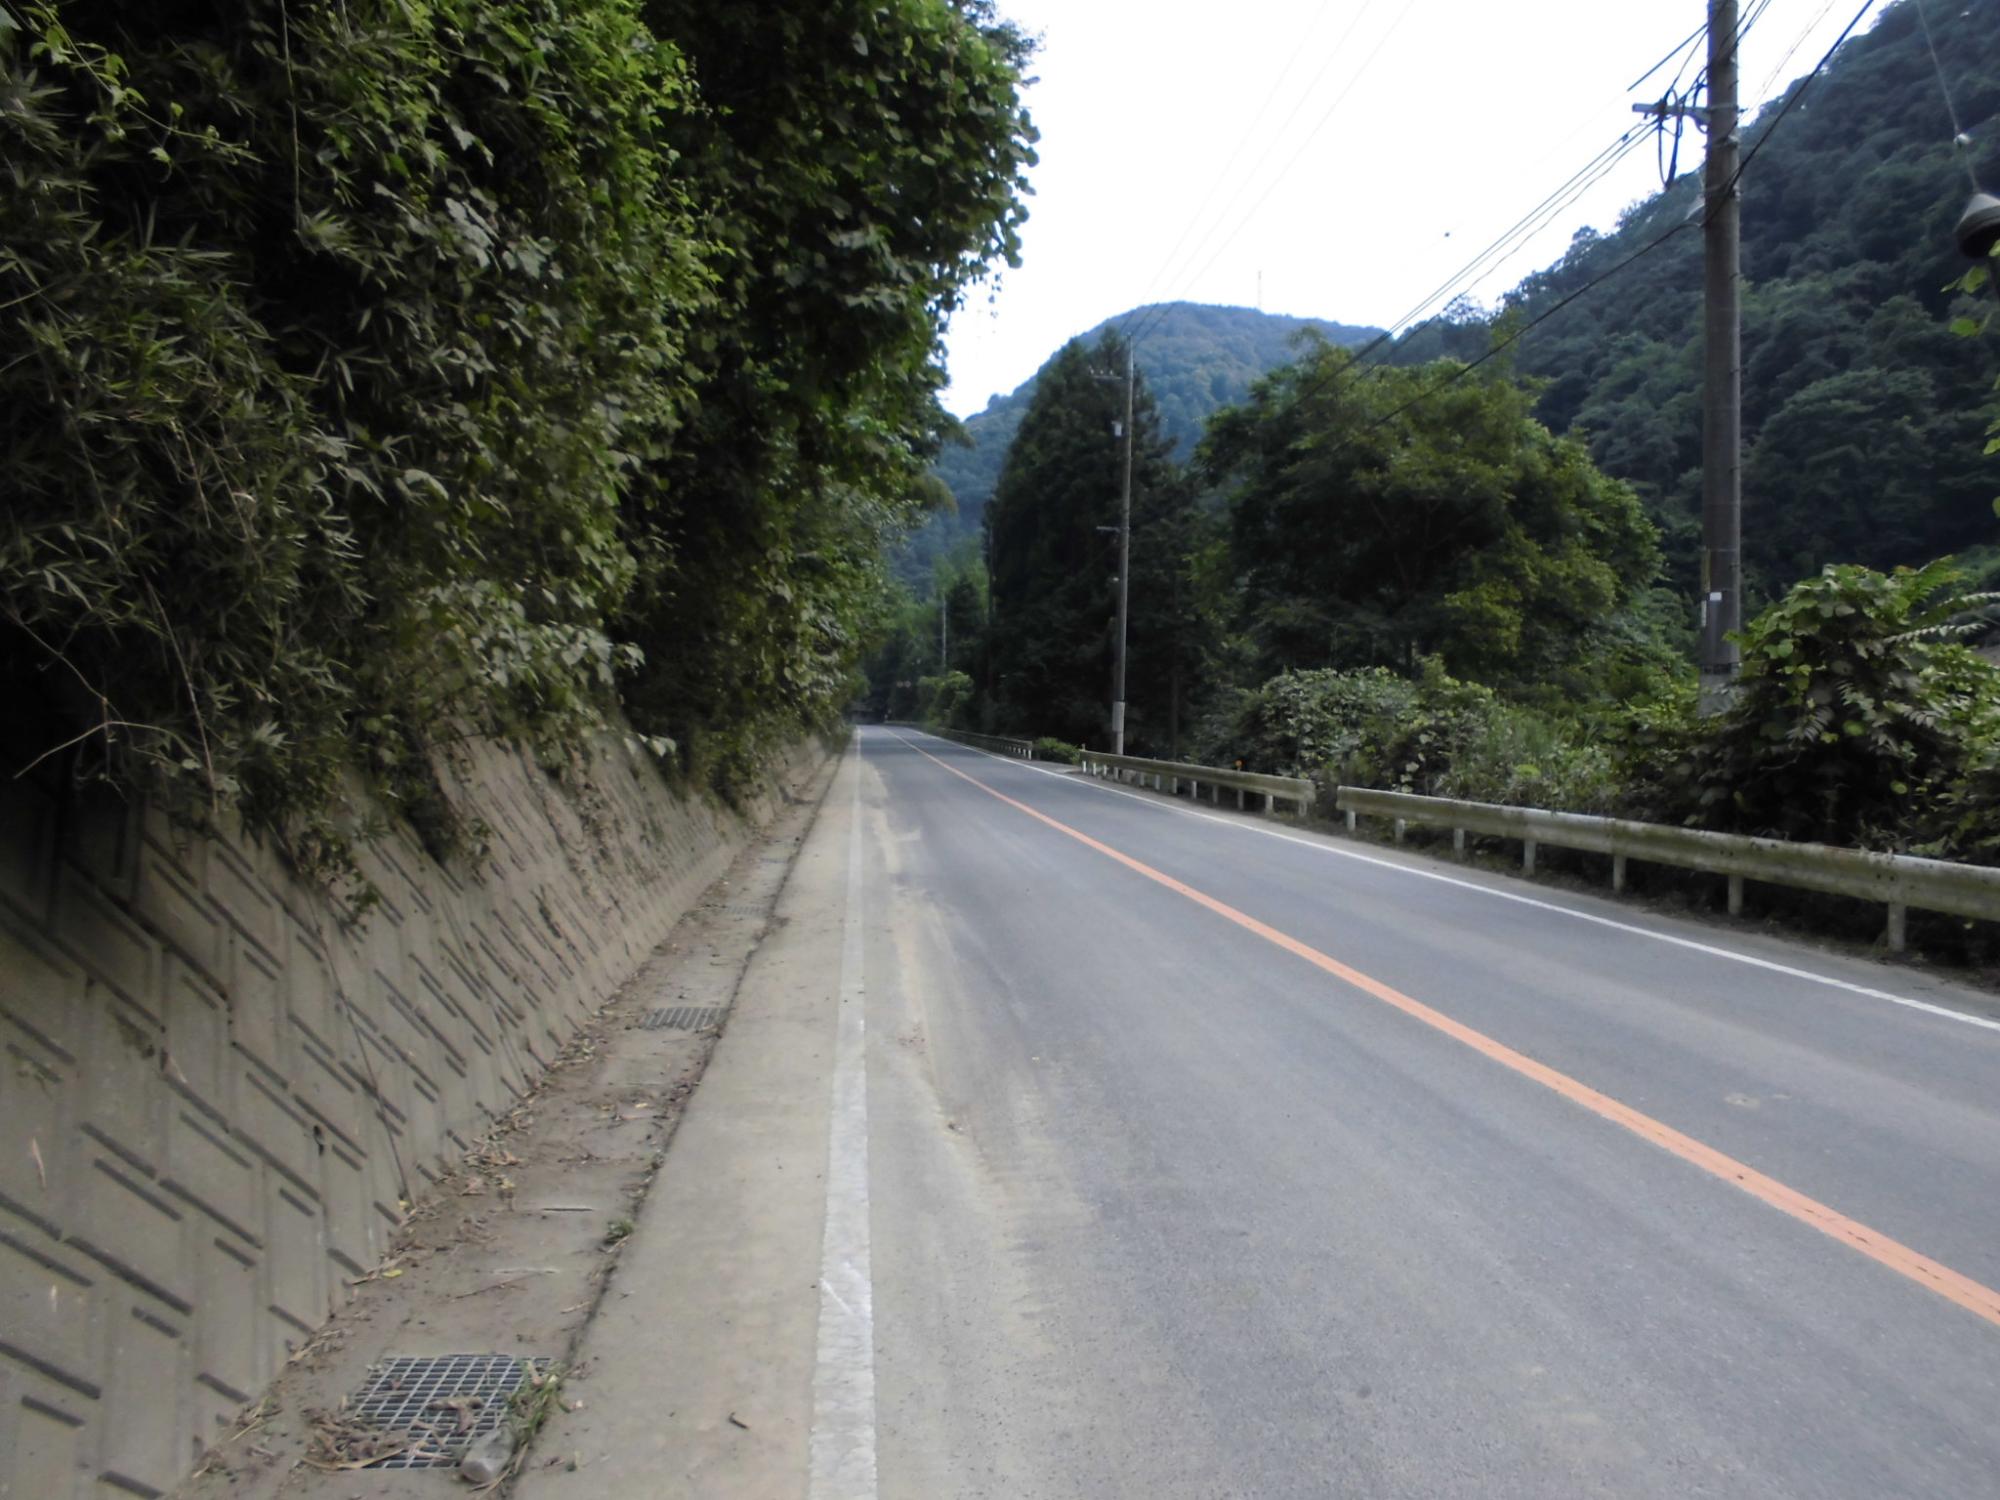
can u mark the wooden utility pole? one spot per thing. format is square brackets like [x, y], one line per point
[1722, 384]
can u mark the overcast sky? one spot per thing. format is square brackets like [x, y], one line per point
[1354, 153]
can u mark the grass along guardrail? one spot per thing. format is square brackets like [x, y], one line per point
[1167, 776]
[1898, 881]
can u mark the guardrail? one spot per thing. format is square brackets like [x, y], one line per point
[999, 744]
[1899, 881]
[1167, 776]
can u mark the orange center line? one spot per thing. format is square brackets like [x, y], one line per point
[1973, 1296]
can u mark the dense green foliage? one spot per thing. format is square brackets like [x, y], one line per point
[1450, 581]
[1197, 360]
[924, 638]
[1862, 717]
[1430, 734]
[1861, 410]
[860, 164]
[1053, 552]
[1370, 527]
[380, 374]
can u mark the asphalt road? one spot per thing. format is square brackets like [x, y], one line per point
[1208, 1159]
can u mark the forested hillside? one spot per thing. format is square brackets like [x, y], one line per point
[1464, 565]
[1862, 410]
[1198, 359]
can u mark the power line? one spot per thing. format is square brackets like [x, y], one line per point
[1679, 48]
[1151, 316]
[1511, 239]
[1530, 223]
[1242, 183]
[1676, 103]
[1959, 139]
[1792, 51]
[1250, 213]
[1460, 372]
[1615, 153]
[1311, 135]
[1537, 218]
[1271, 98]
[1799, 93]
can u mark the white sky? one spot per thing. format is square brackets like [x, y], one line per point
[1450, 120]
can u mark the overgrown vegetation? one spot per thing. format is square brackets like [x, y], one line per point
[1475, 583]
[1198, 359]
[1862, 411]
[1863, 719]
[381, 375]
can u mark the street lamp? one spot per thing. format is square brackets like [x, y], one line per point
[1979, 230]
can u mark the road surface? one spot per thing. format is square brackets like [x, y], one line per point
[1067, 1142]
[1206, 1218]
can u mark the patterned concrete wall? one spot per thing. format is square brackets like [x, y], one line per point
[207, 1084]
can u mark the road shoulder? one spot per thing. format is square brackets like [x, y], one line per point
[696, 1375]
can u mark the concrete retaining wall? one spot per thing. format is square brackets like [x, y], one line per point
[207, 1082]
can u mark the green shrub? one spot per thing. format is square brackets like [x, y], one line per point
[381, 375]
[1861, 719]
[943, 701]
[1433, 735]
[1299, 723]
[1047, 748]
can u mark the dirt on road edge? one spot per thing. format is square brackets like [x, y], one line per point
[511, 1250]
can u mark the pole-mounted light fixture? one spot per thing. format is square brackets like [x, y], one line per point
[1979, 230]
[1979, 225]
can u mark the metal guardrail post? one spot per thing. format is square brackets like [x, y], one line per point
[1170, 776]
[1898, 881]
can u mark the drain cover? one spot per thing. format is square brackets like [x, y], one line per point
[432, 1397]
[683, 1018]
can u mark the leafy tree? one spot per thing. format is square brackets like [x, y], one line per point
[861, 165]
[1380, 516]
[382, 374]
[1054, 558]
[1848, 254]
[1431, 734]
[336, 341]
[1859, 713]
[907, 648]
[1198, 359]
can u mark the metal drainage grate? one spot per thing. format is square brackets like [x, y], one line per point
[683, 1018]
[444, 1401]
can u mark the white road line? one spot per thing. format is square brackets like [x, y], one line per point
[1770, 966]
[843, 1430]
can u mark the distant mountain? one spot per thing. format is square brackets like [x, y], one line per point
[1194, 359]
[1864, 414]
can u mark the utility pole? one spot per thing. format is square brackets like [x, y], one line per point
[1124, 573]
[944, 630]
[1722, 382]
